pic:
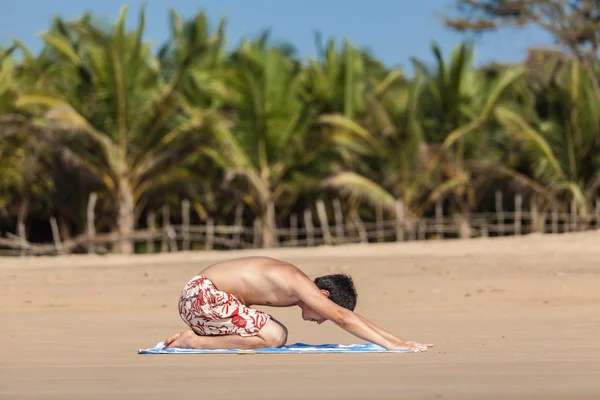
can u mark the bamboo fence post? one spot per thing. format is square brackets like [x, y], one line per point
[166, 222]
[210, 233]
[322, 214]
[272, 225]
[518, 213]
[554, 221]
[485, 232]
[257, 233]
[499, 214]
[293, 230]
[21, 231]
[185, 219]
[310, 231]
[239, 221]
[535, 222]
[339, 221]
[597, 212]
[573, 216]
[91, 226]
[439, 219]
[151, 225]
[379, 222]
[412, 228]
[172, 238]
[362, 232]
[56, 235]
[422, 229]
[585, 219]
[399, 220]
[543, 217]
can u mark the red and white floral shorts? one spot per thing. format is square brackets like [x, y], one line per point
[209, 311]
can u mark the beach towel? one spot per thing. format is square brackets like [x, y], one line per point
[296, 348]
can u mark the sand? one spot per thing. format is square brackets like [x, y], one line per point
[514, 318]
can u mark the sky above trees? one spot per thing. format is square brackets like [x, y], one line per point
[393, 31]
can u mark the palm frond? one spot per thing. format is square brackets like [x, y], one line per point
[342, 122]
[441, 191]
[63, 46]
[519, 127]
[352, 184]
[522, 180]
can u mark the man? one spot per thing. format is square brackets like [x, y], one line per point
[216, 306]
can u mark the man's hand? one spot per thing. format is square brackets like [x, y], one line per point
[409, 345]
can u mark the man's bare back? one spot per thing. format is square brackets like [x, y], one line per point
[216, 304]
[255, 280]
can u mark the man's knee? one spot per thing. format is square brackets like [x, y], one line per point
[274, 333]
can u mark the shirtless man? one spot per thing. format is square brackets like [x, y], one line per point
[216, 306]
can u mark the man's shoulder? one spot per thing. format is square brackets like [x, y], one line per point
[264, 265]
[264, 261]
[296, 280]
[285, 271]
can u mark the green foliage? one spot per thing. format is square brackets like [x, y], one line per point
[97, 110]
[563, 146]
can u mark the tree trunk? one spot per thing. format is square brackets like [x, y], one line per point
[464, 226]
[63, 228]
[21, 217]
[126, 219]
[268, 226]
[267, 235]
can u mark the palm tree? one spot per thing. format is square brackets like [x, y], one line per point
[415, 137]
[20, 173]
[559, 135]
[7, 93]
[336, 81]
[383, 153]
[458, 122]
[272, 151]
[118, 108]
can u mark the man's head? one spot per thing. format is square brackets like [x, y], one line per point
[339, 288]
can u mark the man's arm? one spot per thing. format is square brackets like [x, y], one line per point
[305, 290]
[393, 338]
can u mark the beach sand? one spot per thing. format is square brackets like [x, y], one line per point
[511, 318]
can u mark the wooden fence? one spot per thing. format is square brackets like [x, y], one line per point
[313, 229]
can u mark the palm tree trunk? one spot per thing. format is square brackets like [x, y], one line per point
[267, 235]
[268, 225]
[63, 228]
[21, 217]
[464, 226]
[126, 219]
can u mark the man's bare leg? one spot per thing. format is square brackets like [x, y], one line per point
[189, 340]
[273, 334]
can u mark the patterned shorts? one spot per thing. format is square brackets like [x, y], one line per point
[209, 311]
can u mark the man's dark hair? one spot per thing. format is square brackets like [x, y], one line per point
[341, 289]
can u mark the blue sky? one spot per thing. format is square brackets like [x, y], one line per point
[393, 30]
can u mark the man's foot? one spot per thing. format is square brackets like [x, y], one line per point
[183, 340]
[172, 338]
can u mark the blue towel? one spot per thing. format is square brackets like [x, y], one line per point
[295, 348]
